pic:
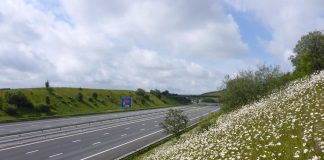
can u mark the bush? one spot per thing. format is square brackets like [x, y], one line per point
[174, 122]
[140, 92]
[147, 97]
[250, 85]
[95, 95]
[1, 102]
[18, 99]
[43, 108]
[208, 100]
[80, 97]
[11, 109]
[157, 93]
[47, 100]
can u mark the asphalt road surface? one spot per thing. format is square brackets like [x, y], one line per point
[108, 142]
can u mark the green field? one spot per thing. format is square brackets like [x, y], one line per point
[65, 102]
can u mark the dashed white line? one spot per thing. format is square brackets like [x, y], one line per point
[96, 143]
[55, 155]
[127, 128]
[143, 129]
[31, 152]
[143, 124]
[76, 141]
[123, 135]
[105, 133]
[156, 125]
[16, 130]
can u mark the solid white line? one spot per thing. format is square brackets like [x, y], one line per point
[76, 134]
[55, 155]
[131, 141]
[96, 143]
[122, 144]
[105, 133]
[76, 141]
[31, 152]
[124, 135]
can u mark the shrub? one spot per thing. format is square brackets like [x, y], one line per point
[80, 97]
[47, 84]
[11, 109]
[147, 97]
[18, 99]
[95, 95]
[174, 122]
[157, 93]
[47, 100]
[43, 108]
[140, 92]
[1, 102]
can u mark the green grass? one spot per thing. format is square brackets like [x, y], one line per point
[64, 102]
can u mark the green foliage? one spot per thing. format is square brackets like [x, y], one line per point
[95, 95]
[249, 86]
[309, 54]
[45, 108]
[174, 122]
[140, 92]
[47, 84]
[147, 97]
[47, 100]
[208, 100]
[80, 97]
[1, 102]
[157, 93]
[166, 93]
[10, 109]
[18, 99]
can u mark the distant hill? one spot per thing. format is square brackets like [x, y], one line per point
[66, 101]
[213, 93]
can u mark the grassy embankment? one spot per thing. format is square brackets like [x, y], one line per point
[65, 102]
[287, 124]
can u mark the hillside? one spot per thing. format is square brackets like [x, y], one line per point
[287, 124]
[65, 101]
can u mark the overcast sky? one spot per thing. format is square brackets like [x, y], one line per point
[184, 46]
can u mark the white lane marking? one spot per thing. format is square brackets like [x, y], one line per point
[156, 125]
[155, 121]
[31, 152]
[77, 134]
[127, 128]
[122, 144]
[15, 131]
[76, 141]
[55, 155]
[82, 133]
[143, 124]
[96, 143]
[105, 133]
[124, 135]
[143, 129]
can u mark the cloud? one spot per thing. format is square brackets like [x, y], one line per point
[286, 20]
[120, 44]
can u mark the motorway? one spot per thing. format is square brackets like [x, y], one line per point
[108, 141]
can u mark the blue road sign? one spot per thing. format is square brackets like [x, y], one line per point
[126, 102]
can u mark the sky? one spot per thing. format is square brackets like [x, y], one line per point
[184, 46]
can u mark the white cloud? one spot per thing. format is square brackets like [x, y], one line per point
[287, 20]
[122, 44]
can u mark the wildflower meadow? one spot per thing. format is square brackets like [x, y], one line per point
[287, 124]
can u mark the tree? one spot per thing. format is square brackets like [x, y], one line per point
[10, 109]
[166, 93]
[157, 93]
[309, 54]
[174, 122]
[140, 92]
[47, 84]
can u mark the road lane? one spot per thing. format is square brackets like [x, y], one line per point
[82, 146]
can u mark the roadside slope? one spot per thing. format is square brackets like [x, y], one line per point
[65, 101]
[287, 124]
